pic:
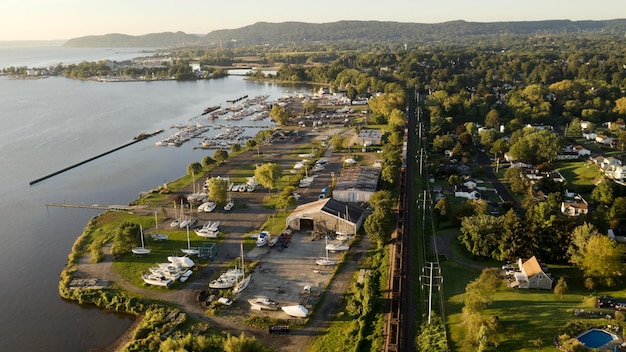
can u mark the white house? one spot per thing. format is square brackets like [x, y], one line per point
[582, 151]
[574, 204]
[617, 173]
[464, 192]
[532, 275]
[590, 136]
[603, 139]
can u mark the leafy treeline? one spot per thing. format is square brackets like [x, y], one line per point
[353, 32]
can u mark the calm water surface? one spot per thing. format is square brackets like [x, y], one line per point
[49, 124]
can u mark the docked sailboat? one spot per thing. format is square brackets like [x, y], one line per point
[189, 250]
[175, 222]
[325, 260]
[242, 285]
[141, 250]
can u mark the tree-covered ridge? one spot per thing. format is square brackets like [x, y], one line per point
[152, 40]
[459, 32]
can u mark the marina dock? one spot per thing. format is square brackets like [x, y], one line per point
[93, 206]
[137, 139]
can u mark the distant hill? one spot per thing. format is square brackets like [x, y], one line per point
[153, 40]
[355, 31]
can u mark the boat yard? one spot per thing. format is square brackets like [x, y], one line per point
[286, 272]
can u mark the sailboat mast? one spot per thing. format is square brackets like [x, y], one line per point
[141, 232]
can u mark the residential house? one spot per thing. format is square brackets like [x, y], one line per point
[591, 136]
[618, 173]
[585, 124]
[574, 204]
[610, 163]
[533, 275]
[464, 192]
[582, 151]
[604, 139]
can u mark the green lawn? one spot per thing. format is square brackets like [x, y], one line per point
[524, 315]
[580, 175]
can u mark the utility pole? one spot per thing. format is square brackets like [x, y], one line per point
[431, 278]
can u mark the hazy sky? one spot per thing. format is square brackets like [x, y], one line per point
[65, 19]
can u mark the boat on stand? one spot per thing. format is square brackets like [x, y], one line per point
[325, 261]
[189, 250]
[141, 250]
[242, 285]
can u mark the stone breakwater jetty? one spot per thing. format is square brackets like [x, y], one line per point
[137, 139]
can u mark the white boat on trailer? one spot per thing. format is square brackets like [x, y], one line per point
[263, 239]
[263, 303]
[156, 280]
[207, 233]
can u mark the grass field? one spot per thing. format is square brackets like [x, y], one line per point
[525, 316]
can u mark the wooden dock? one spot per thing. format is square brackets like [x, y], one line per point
[93, 206]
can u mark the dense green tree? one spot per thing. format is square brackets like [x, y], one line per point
[243, 343]
[207, 161]
[598, 256]
[618, 209]
[488, 137]
[285, 201]
[518, 182]
[481, 234]
[432, 336]
[280, 115]
[268, 175]
[536, 146]
[235, 147]
[442, 142]
[218, 190]
[397, 119]
[574, 129]
[492, 119]
[620, 106]
[382, 200]
[441, 207]
[561, 287]
[377, 225]
[603, 193]
[194, 168]
[220, 155]
[126, 237]
[500, 146]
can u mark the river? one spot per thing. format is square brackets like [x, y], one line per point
[48, 124]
